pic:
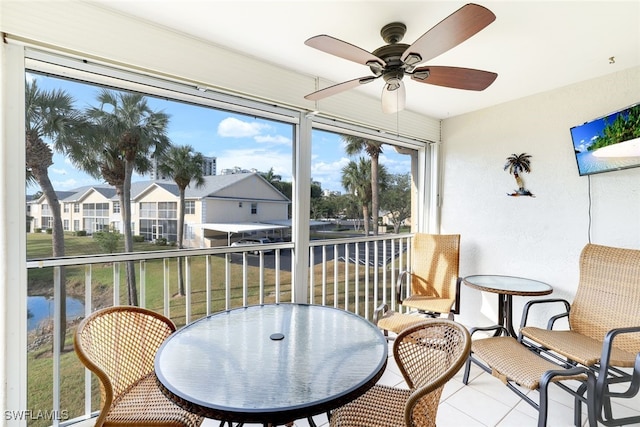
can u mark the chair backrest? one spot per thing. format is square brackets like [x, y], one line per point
[435, 261]
[119, 345]
[428, 355]
[608, 294]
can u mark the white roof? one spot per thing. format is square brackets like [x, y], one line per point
[240, 227]
[287, 222]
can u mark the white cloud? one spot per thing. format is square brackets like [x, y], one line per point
[329, 174]
[397, 164]
[58, 171]
[323, 168]
[257, 158]
[234, 128]
[274, 139]
[68, 184]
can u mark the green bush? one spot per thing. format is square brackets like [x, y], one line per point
[49, 230]
[138, 239]
[108, 240]
[80, 233]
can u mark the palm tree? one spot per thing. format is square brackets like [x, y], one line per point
[51, 114]
[127, 132]
[518, 163]
[184, 166]
[355, 145]
[356, 180]
[271, 177]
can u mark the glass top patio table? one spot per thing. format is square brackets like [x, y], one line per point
[271, 363]
[506, 287]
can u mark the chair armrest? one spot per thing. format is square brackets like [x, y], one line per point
[529, 304]
[379, 311]
[607, 344]
[402, 280]
[602, 390]
[496, 328]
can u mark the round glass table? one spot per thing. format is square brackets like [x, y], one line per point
[272, 363]
[506, 287]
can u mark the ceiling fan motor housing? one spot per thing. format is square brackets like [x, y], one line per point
[393, 32]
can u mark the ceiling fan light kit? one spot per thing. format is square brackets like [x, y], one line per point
[395, 60]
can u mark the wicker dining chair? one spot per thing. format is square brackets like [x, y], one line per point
[433, 279]
[119, 345]
[428, 355]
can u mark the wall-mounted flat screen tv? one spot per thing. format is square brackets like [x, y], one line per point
[608, 143]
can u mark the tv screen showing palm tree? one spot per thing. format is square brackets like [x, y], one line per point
[608, 143]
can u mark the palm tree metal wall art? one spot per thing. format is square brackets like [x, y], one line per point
[517, 164]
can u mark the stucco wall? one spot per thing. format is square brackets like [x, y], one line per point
[541, 237]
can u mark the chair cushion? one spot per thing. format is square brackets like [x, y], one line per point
[429, 303]
[510, 360]
[144, 404]
[397, 322]
[576, 347]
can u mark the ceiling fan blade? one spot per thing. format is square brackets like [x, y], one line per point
[448, 33]
[343, 49]
[393, 100]
[455, 77]
[337, 88]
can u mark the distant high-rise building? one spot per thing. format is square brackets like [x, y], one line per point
[209, 167]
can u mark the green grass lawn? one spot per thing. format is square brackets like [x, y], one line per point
[102, 279]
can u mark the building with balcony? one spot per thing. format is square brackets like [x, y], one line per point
[238, 199]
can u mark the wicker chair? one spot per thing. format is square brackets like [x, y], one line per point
[604, 319]
[428, 355]
[434, 281]
[119, 344]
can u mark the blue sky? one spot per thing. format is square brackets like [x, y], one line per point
[234, 139]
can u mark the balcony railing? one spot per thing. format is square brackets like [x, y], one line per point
[355, 274]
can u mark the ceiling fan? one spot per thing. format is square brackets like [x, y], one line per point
[395, 60]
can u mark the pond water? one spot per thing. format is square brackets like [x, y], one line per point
[41, 308]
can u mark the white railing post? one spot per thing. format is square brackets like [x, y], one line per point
[207, 284]
[116, 283]
[335, 276]
[187, 288]
[57, 310]
[166, 292]
[87, 312]
[143, 283]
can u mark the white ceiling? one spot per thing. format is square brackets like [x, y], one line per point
[534, 46]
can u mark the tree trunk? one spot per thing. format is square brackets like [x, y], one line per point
[519, 181]
[39, 158]
[375, 209]
[365, 215]
[125, 203]
[181, 291]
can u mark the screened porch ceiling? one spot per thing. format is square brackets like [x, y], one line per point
[534, 46]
